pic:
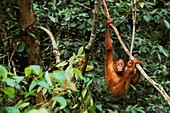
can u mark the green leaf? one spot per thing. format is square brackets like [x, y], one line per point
[110, 111]
[41, 110]
[80, 51]
[44, 91]
[18, 79]
[59, 76]
[11, 74]
[47, 78]
[91, 101]
[78, 72]
[27, 71]
[61, 100]
[52, 19]
[21, 46]
[3, 72]
[134, 111]
[90, 81]
[146, 18]
[128, 109]
[141, 4]
[32, 85]
[8, 91]
[43, 84]
[36, 69]
[75, 106]
[99, 107]
[11, 82]
[61, 64]
[13, 109]
[31, 93]
[84, 92]
[164, 51]
[35, 6]
[73, 24]
[69, 73]
[154, 11]
[140, 110]
[23, 105]
[33, 35]
[89, 68]
[159, 56]
[167, 24]
[72, 58]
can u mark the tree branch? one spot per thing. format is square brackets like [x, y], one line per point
[156, 85]
[55, 48]
[134, 27]
[93, 34]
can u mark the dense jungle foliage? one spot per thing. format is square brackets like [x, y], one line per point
[66, 90]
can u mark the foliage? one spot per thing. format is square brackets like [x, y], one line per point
[65, 89]
[59, 86]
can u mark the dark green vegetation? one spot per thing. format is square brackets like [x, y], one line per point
[70, 21]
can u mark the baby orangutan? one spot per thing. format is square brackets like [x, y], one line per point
[117, 77]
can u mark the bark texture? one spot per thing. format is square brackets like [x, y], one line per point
[27, 23]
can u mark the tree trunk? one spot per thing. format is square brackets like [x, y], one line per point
[27, 23]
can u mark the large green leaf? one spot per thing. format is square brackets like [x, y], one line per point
[27, 71]
[43, 84]
[18, 79]
[47, 78]
[9, 91]
[33, 84]
[69, 73]
[38, 82]
[59, 76]
[41, 110]
[36, 70]
[13, 109]
[3, 72]
[61, 100]
[33, 69]
[11, 82]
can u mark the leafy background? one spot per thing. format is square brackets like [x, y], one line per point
[67, 90]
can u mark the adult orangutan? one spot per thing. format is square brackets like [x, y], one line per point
[117, 77]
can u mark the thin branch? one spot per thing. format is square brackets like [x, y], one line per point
[95, 20]
[55, 48]
[93, 34]
[134, 22]
[83, 6]
[156, 85]
[14, 68]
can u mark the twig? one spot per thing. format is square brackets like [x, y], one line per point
[134, 22]
[12, 55]
[55, 48]
[156, 85]
[14, 68]
[95, 20]
[83, 6]
[93, 34]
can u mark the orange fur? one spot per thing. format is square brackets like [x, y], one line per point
[118, 82]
